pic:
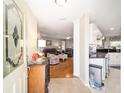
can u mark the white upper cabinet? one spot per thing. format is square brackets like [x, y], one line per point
[95, 35]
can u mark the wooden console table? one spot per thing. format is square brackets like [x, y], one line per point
[38, 78]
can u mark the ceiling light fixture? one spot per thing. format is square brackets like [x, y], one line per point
[103, 37]
[68, 37]
[60, 2]
[112, 28]
[62, 19]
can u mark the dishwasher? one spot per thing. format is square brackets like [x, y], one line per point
[95, 76]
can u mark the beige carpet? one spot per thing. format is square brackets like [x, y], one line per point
[67, 85]
[112, 83]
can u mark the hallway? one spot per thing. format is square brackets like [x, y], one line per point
[63, 69]
[67, 85]
[74, 85]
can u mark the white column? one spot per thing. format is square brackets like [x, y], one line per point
[76, 47]
[81, 48]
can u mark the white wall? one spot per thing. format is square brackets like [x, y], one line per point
[84, 49]
[69, 43]
[81, 48]
[107, 43]
[1, 46]
[76, 68]
[63, 45]
[56, 43]
[30, 28]
[31, 34]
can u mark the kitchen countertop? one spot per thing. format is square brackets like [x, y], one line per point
[109, 50]
[96, 57]
[99, 55]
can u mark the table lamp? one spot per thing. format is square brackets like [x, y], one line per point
[41, 44]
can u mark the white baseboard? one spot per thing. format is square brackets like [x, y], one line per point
[86, 84]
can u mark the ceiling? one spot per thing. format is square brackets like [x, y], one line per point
[56, 21]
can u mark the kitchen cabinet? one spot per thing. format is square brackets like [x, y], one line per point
[38, 78]
[114, 59]
[95, 35]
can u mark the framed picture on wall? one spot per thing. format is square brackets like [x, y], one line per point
[48, 42]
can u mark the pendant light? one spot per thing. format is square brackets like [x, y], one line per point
[60, 2]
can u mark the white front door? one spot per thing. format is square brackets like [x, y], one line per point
[15, 77]
[16, 81]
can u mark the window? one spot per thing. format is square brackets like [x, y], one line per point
[116, 44]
